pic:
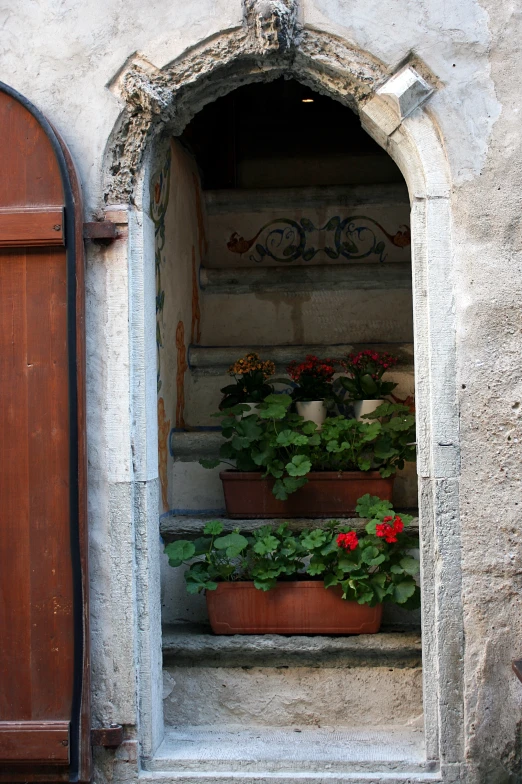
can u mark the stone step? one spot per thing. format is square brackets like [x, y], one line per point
[191, 446]
[183, 648]
[313, 316]
[278, 681]
[215, 360]
[224, 201]
[174, 527]
[391, 754]
[353, 276]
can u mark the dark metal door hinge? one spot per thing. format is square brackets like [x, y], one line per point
[111, 737]
[100, 231]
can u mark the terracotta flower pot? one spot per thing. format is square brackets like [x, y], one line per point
[326, 494]
[300, 607]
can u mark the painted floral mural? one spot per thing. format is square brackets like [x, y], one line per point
[160, 191]
[286, 240]
[159, 203]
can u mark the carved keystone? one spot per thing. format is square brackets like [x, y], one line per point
[396, 99]
[273, 23]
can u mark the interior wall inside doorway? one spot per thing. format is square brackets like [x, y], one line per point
[180, 249]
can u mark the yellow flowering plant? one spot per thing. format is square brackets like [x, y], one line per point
[252, 385]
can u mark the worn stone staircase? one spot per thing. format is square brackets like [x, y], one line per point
[275, 708]
[285, 709]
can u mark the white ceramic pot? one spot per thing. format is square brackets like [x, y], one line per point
[361, 407]
[312, 411]
[252, 407]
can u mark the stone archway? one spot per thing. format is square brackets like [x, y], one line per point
[271, 43]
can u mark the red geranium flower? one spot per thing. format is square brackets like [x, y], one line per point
[389, 532]
[398, 525]
[348, 541]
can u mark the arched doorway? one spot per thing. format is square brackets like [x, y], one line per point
[354, 78]
[284, 232]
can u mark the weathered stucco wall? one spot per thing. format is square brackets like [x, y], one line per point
[76, 52]
[63, 56]
[488, 260]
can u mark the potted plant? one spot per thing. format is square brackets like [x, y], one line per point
[313, 385]
[331, 580]
[284, 466]
[251, 382]
[364, 382]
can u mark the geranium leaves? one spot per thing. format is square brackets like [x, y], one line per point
[371, 572]
[274, 406]
[210, 463]
[233, 544]
[286, 485]
[373, 507]
[284, 446]
[213, 528]
[179, 551]
[300, 465]
[314, 539]
[291, 437]
[403, 591]
[410, 565]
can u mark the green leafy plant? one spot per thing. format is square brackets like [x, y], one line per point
[370, 568]
[285, 447]
[378, 567]
[251, 385]
[212, 556]
[365, 371]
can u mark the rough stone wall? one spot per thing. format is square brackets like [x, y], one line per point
[472, 49]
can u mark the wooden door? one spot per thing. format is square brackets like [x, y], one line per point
[44, 684]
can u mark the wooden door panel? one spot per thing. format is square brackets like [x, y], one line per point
[37, 742]
[51, 599]
[15, 651]
[31, 227]
[44, 685]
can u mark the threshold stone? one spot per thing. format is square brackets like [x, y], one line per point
[394, 755]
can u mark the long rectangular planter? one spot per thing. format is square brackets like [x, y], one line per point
[326, 494]
[300, 607]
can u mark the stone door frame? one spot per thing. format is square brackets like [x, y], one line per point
[394, 109]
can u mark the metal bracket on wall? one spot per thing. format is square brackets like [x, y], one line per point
[101, 231]
[517, 668]
[110, 737]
